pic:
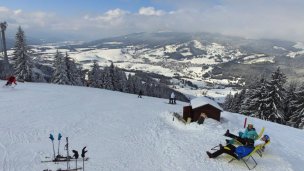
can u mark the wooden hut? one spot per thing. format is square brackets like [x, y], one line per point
[202, 105]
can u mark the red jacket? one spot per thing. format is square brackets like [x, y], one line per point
[12, 79]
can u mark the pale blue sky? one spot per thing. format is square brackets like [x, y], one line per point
[93, 19]
[78, 7]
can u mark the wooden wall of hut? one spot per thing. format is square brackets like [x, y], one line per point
[209, 110]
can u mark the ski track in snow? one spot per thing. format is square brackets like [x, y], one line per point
[4, 160]
[123, 132]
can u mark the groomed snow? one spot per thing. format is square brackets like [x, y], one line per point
[123, 132]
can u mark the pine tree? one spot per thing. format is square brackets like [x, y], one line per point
[275, 97]
[95, 76]
[129, 84]
[23, 64]
[245, 104]
[116, 79]
[134, 85]
[290, 99]
[83, 74]
[250, 91]
[238, 98]
[257, 102]
[122, 80]
[73, 72]
[297, 119]
[107, 77]
[228, 102]
[60, 74]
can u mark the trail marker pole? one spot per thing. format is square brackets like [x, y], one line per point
[67, 149]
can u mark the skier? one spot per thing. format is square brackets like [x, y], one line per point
[172, 99]
[140, 94]
[248, 136]
[236, 152]
[11, 80]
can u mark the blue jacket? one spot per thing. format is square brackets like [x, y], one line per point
[242, 151]
[251, 134]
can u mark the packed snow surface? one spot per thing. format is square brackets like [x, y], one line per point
[123, 132]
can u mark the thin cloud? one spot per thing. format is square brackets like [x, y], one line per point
[149, 11]
[281, 19]
[108, 16]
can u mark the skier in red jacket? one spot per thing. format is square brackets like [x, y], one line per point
[11, 80]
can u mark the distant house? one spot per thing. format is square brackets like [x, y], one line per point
[202, 105]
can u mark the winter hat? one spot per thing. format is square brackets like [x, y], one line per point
[266, 137]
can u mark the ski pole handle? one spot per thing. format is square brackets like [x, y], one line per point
[59, 137]
[51, 137]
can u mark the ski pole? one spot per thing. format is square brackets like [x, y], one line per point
[59, 138]
[214, 148]
[76, 155]
[83, 156]
[52, 139]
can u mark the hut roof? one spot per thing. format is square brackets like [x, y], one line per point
[202, 101]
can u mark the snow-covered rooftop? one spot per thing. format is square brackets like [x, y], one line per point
[201, 101]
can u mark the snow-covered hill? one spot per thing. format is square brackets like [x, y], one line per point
[207, 60]
[123, 132]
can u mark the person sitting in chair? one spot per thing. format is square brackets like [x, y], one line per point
[236, 152]
[249, 135]
[265, 139]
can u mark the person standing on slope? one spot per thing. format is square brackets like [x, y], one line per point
[11, 80]
[172, 98]
[140, 94]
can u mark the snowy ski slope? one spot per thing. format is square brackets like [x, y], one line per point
[123, 132]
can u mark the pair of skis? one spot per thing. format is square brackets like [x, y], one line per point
[70, 169]
[65, 169]
[68, 158]
[64, 159]
[7, 86]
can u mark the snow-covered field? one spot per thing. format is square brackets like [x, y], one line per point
[123, 132]
[300, 47]
[155, 60]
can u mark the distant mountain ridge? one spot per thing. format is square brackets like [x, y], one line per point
[200, 49]
[165, 38]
